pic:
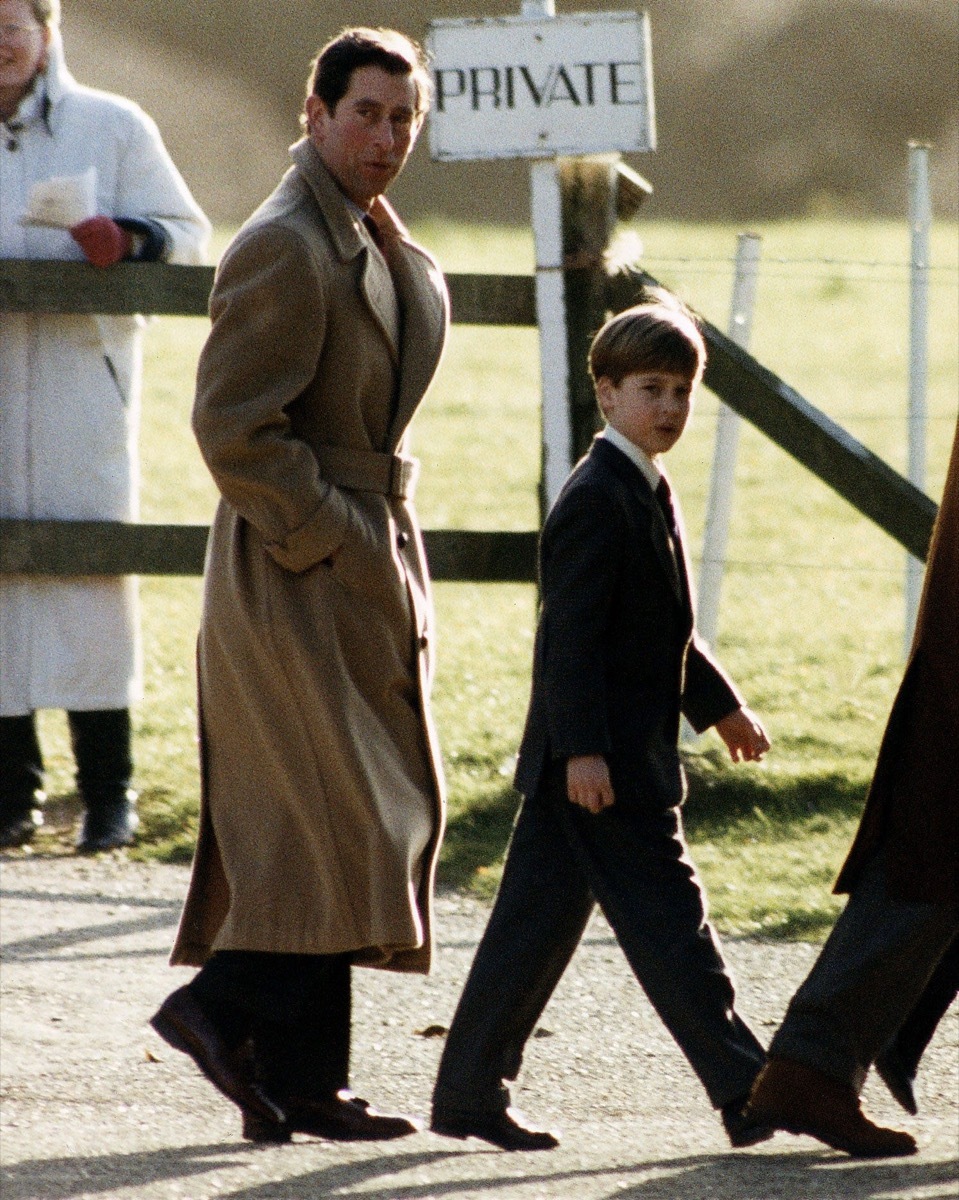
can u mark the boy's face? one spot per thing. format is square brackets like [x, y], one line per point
[651, 408]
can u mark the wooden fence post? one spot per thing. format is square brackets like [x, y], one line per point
[589, 217]
[596, 191]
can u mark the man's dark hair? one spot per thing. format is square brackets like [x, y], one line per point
[394, 52]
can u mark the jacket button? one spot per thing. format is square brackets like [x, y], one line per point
[424, 641]
[402, 538]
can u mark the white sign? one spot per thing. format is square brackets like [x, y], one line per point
[516, 87]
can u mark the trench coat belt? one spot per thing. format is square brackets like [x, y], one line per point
[368, 470]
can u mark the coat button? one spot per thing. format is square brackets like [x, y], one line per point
[424, 641]
[402, 539]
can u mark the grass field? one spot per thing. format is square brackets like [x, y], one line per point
[812, 617]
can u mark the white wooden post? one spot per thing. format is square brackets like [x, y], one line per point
[920, 222]
[719, 505]
[720, 502]
[547, 216]
[551, 320]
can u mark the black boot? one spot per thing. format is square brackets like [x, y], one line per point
[102, 742]
[21, 781]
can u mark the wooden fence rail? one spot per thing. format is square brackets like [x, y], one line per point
[104, 547]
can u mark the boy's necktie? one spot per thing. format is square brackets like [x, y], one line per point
[664, 495]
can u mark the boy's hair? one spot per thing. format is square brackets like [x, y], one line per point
[333, 67]
[658, 334]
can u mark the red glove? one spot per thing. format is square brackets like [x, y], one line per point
[102, 240]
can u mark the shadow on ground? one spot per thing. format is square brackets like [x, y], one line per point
[804, 1176]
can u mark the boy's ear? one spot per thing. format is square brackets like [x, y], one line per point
[605, 394]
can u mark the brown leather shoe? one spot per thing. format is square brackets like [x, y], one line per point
[506, 1129]
[340, 1118]
[183, 1024]
[799, 1099]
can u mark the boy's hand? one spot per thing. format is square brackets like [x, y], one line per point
[588, 783]
[744, 735]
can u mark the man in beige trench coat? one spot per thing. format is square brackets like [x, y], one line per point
[322, 796]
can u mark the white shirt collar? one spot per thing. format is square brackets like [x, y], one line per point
[649, 468]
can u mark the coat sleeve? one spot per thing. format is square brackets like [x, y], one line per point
[268, 308]
[708, 692]
[581, 550]
[151, 190]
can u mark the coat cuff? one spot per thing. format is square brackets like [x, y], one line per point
[152, 242]
[315, 539]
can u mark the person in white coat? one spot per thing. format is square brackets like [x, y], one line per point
[69, 414]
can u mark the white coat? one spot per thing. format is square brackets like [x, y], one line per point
[70, 393]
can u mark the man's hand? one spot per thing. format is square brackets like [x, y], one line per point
[744, 735]
[102, 240]
[588, 783]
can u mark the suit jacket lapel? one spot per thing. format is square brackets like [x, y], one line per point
[678, 549]
[638, 485]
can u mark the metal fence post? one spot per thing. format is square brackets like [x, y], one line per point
[719, 505]
[720, 502]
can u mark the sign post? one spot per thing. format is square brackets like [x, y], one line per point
[542, 87]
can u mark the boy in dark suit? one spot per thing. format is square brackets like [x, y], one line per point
[616, 663]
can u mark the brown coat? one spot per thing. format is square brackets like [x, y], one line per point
[322, 798]
[913, 804]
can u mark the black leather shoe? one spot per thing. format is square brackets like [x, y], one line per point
[506, 1129]
[895, 1075]
[19, 828]
[183, 1024]
[340, 1118]
[108, 826]
[743, 1130]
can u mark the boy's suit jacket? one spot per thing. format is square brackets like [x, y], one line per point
[616, 657]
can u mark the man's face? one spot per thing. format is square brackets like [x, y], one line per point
[23, 47]
[366, 141]
[650, 408]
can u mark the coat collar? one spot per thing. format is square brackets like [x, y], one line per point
[350, 238]
[412, 272]
[346, 230]
[57, 77]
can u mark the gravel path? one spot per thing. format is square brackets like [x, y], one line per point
[95, 1106]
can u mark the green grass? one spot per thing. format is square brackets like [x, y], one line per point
[812, 617]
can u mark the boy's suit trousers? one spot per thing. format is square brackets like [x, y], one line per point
[561, 860]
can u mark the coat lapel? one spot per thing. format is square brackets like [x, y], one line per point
[412, 280]
[424, 308]
[351, 239]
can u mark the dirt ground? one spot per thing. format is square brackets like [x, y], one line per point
[95, 1105]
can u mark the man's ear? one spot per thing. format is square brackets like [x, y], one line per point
[316, 112]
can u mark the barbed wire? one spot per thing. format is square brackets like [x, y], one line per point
[746, 564]
[903, 265]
